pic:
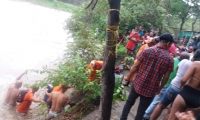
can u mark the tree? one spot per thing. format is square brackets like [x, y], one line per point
[108, 78]
[195, 12]
[195, 19]
[181, 9]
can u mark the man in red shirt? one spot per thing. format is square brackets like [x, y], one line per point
[153, 64]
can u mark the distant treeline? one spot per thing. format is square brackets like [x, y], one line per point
[74, 2]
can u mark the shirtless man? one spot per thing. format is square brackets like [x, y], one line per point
[13, 91]
[59, 100]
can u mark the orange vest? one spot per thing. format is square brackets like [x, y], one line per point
[94, 65]
[24, 106]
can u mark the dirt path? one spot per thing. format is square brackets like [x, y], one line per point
[31, 36]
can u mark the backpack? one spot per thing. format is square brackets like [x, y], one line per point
[20, 96]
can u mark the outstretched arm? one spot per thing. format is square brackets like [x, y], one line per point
[36, 100]
[18, 78]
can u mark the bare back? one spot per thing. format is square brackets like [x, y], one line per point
[194, 73]
[7, 98]
[59, 101]
[13, 96]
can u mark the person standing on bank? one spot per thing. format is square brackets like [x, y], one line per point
[152, 65]
[133, 39]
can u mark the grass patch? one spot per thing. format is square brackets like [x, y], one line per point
[56, 4]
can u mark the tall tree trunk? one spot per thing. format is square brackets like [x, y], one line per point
[197, 16]
[168, 12]
[194, 23]
[182, 23]
[108, 78]
[181, 26]
[183, 19]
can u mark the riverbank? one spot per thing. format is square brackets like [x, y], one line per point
[55, 4]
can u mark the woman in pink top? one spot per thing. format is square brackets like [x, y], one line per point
[133, 38]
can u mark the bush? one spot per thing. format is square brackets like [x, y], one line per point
[129, 60]
[121, 50]
[73, 72]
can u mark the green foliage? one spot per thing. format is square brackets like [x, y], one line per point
[88, 31]
[93, 88]
[142, 12]
[179, 8]
[88, 50]
[129, 60]
[85, 23]
[56, 4]
[120, 50]
[73, 72]
[119, 90]
[70, 72]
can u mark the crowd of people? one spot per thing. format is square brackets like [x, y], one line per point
[20, 100]
[165, 74]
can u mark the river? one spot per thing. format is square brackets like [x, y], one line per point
[30, 36]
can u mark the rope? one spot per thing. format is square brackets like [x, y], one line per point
[113, 38]
[113, 10]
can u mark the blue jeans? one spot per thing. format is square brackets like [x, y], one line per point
[169, 95]
[144, 103]
[154, 103]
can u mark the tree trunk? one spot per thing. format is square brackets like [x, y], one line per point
[183, 19]
[182, 23]
[168, 12]
[108, 78]
[197, 16]
[194, 23]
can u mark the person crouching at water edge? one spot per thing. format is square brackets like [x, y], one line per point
[94, 65]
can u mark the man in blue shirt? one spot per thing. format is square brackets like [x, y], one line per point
[141, 31]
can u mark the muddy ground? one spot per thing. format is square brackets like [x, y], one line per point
[118, 107]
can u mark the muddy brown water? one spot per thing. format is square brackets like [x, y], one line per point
[31, 36]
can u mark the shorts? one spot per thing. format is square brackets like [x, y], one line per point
[52, 114]
[49, 104]
[191, 96]
[169, 95]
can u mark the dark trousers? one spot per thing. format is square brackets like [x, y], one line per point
[143, 105]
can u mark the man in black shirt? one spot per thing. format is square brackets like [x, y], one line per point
[48, 90]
